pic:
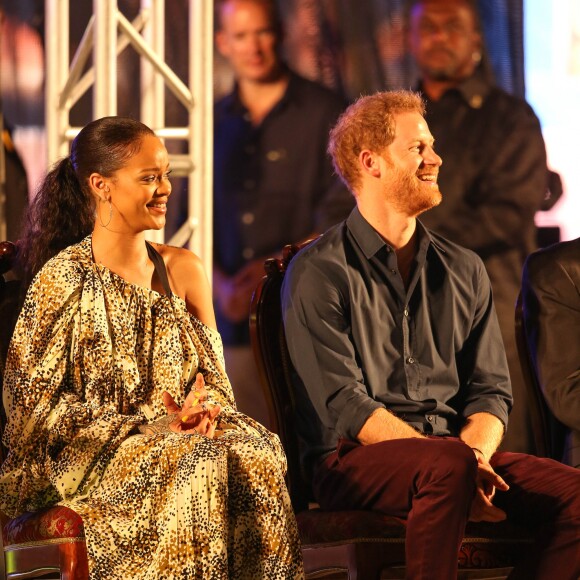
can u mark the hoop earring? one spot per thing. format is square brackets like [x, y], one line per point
[110, 215]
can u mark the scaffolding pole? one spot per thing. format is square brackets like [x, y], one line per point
[108, 33]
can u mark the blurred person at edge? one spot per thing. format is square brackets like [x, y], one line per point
[551, 306]
[15, 186]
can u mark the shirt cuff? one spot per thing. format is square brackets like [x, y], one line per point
[354, 415]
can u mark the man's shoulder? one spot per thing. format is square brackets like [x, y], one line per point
[323, 253]
[454, 255]
[314, 87]
[505, 105]
[318, 271]
[541, 263]
[224, 102]
[315, 94]
[451, 248]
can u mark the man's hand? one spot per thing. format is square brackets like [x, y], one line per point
[488, 481]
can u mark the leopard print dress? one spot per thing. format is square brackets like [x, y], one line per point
[89, 361]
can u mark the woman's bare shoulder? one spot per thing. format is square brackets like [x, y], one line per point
[189, 281]
[180, 258]
[185, 269]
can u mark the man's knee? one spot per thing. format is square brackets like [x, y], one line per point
[453, 463]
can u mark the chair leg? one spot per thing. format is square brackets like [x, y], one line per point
[2, 562]
[74, 564]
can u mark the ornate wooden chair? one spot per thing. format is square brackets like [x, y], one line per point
[360, 544]
[50, 542]
[549, 433]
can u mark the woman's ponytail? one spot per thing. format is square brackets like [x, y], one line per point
[61, 214]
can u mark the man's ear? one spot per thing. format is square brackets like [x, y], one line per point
[478, 48]
[369, 163]
[221, 42]
[99, 186]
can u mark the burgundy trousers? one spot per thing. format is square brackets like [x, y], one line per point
[431, 482]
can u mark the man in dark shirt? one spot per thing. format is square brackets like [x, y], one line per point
[494, 177]
[393, 332]
[273, 181]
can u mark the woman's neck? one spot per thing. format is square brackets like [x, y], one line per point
[123, 254]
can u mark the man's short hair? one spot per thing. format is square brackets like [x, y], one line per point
[369, 123]
[270, 6]
[470, 4]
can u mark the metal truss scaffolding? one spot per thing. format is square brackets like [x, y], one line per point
[108, 33]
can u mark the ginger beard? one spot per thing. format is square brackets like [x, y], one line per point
[412, 194]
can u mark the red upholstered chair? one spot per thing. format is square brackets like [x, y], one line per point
[360, 544]
[49, 543]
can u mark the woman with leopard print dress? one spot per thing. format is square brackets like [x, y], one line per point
[117, 400]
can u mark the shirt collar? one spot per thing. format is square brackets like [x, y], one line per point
[233, 103]
[474, 90]
[370, 242]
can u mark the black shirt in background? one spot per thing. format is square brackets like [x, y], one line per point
[494, 175]
[273, 183]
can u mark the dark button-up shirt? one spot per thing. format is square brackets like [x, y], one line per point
[431, 353]
[273, 183]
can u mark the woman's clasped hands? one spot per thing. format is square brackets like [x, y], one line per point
[196, 415]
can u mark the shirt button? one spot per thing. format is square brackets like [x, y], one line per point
[275, 154]
[248, 253]
[410, 360]
[248, 218]
[430, 418]
[393, 271]
[406, 312]
[249, 184]
[476, 101]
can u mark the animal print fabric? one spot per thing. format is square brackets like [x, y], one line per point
[90, 358]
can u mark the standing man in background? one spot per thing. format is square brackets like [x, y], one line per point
[494, 176]
[273, 182]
